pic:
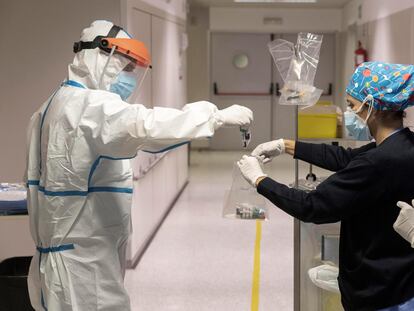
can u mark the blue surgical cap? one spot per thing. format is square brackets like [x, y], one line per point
[390, 85]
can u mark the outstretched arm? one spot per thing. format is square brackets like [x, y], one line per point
[333, 158]
[337, 198]
[126, 128]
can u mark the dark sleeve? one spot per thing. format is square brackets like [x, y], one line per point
[333, 158]
[342, 195]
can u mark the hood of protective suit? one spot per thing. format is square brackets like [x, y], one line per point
[89, 64]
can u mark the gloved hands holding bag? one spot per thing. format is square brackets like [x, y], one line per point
[251, 169]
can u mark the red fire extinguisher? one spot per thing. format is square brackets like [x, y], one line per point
[361, 55]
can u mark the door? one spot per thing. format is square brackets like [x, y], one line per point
[241, 74]
[168, 58]
[283, 125]
[142, 215]
[140, 28]
[325, 75]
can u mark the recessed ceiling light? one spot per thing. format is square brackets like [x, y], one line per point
[276, 1]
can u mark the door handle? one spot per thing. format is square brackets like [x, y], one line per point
[271, 89]
[329, 92]
[277, 93]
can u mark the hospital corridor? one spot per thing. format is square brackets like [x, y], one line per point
[199, 261]
[207, 155]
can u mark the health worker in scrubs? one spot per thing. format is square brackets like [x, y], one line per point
[376, 265]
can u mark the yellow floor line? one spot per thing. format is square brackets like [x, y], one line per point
[256, 268]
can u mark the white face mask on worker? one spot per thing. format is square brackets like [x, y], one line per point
[355, 125]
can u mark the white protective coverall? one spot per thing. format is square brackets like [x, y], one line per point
[80, 180]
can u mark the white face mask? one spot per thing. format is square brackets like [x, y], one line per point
[356, 126]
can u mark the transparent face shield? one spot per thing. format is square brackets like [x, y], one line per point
[129, 81]
[123, 76]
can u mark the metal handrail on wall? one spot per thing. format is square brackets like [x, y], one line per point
[216, 92]
[274, 88]
[329, 92]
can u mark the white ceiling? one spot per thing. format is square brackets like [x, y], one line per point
[230, 3]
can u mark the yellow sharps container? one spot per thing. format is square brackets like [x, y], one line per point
[318, 121]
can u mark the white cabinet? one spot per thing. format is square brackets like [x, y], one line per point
[168, 63]
[15, 238]
[143, 215]
[182, 165]
[171, 173]
[158, 179]
[176, 8]
[140, 28]
[159, 188]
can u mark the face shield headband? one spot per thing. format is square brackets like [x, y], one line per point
[133, 69]
[98, 42]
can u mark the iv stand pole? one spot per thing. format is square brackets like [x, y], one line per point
[296, 233]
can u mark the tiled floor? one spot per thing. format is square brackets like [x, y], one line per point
[199, 261]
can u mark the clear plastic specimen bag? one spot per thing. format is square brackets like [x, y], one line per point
[243, 201]
[297, 65]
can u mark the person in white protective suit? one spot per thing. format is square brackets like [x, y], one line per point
[78, 171]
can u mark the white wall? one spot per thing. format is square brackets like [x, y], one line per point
[198, 85]
[177, 8]
[386, 29]
[390, 39]
[198, 54]
[372, 10]
[37, 38]
[294, 20]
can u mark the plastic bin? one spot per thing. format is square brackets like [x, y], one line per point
[319, 121]
[14, 295]
[317, 125]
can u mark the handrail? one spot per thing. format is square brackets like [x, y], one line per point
[277, 93]
[274, 89]
[216, 92]
[145, 171]
[327, 93]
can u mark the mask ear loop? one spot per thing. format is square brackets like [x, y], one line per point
[370, 100]
[106, 65]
